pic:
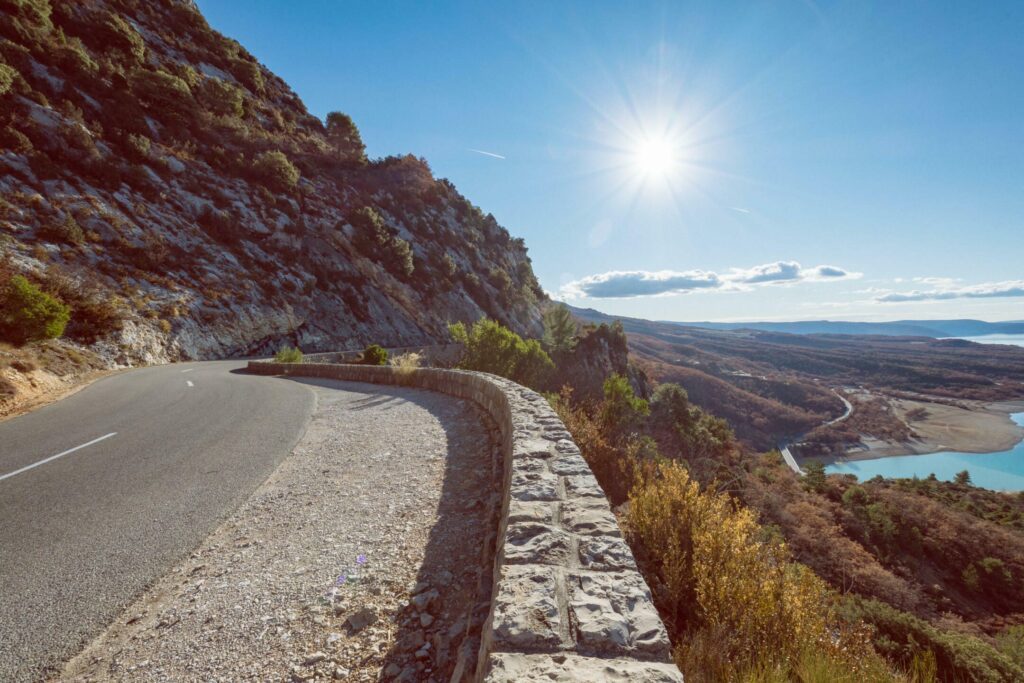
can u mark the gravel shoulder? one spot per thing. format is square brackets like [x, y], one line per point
[365, 556]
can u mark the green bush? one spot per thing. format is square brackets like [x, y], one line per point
[623, 411]
[162, 91]
[28, 314]
[7, 75]
[491, 347]
[120, 35]
[400, 259]
[344, 137]
[375, 354]
[373, 238]
[15, 141]
[67, 231]
[288, 355]
[220, 97]
[560, 330]
[901, 636]
[276, 171]
[248, 74]
[1011, 643]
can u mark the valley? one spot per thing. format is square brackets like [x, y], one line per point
[909, 394]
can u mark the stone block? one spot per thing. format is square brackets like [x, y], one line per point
[530, 511]
[525, 613]
[589, 517]
[570, 464]
[534, 486]
[583, 485]
[531, 447]
[605, 553]
[566, 668]
[533, 543]
[614, 615]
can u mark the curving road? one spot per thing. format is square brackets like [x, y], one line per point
[101, 493]
[787, 455]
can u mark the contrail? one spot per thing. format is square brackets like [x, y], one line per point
[736, 208]
[488, 154]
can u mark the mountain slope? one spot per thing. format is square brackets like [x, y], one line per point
[180, 198]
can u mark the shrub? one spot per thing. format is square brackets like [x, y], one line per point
[121, 35]
[220, 97]
[1011, 643]
[162, 91]
[7, 74]
[138, 146]
[623, 411]
[407, 361]
[400, 259]
[288, 355]
[73, 57]
[248, 74]
[374, 354]
[67, 231]
[488, 346]
[344, 137]
[276, 171]
[814, 476]
[28, 314]
[15, 141]
[744, 605]
[901, 636]
[95, 312]
[560, 330]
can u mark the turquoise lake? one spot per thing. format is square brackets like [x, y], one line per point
[1003, 471]
[1011, 339]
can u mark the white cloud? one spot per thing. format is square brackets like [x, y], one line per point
[637, 283]
[947, 291]
[618, 284]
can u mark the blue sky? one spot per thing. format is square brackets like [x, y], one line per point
[695, 161]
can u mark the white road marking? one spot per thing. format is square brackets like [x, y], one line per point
[189, 382]
[188, 370]
[54, 457]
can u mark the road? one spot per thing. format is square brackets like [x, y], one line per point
[787, 455]
[102, 492]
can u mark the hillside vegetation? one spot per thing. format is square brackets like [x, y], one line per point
[761, 575]
[773, 386]
[181, 202]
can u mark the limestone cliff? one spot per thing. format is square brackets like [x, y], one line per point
[182, 200]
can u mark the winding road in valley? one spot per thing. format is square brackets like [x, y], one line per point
[102, 492]
[787, 455]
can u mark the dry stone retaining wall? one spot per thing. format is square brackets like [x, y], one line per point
[568, 603]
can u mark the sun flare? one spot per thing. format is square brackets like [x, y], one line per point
[654, 158]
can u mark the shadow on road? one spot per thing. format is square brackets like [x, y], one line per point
[454, 583]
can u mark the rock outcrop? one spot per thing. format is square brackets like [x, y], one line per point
[183, 201]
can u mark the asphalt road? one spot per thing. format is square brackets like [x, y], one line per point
[81, 535]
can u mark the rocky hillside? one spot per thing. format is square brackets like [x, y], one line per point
[182, 201]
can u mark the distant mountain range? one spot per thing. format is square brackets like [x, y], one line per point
[897, 328]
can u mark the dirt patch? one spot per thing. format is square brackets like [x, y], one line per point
[971, 427]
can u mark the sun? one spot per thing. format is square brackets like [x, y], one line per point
[654, 158]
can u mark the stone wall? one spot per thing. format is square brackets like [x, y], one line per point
[568, 602]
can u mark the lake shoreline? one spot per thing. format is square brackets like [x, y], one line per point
[987, 428]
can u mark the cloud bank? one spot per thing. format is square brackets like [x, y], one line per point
[626, 284]
[988, 290]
